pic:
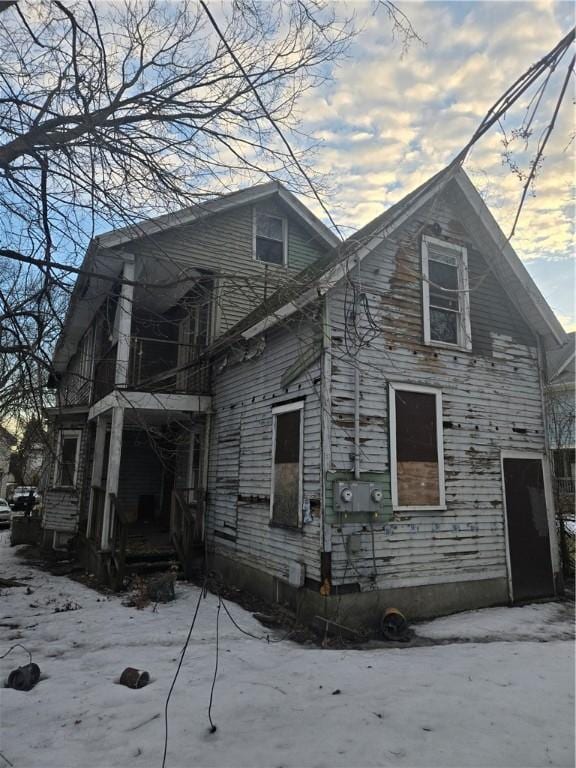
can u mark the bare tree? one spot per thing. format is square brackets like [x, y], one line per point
[116, 112]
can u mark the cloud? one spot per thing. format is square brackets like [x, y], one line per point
[389, 122]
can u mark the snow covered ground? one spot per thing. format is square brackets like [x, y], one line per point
[504, 698]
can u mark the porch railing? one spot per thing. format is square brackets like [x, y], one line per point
[187, 525]
[118, 542]
[104, 375]
[564, 486]
[162, 365]
[97, 517]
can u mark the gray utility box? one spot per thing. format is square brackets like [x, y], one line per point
[356, 496]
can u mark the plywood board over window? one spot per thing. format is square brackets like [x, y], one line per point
[287, 444]
[416, 451]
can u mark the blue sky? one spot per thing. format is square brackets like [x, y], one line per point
[387, 121]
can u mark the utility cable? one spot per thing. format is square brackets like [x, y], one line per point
[182, 654]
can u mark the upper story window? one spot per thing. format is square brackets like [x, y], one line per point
[270, 238]
[446, 294]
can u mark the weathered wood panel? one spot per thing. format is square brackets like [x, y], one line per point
[491, 401]
[222, 244]
[61, 507]
[243, 398]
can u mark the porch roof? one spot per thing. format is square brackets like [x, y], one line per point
[155, 402]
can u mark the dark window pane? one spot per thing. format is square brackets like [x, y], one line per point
[287, 437]
[287, 468]
[416, 449]
[269, 226]
[68, 461]
[443, 276]
[444, 325]
[269, 251]
[416, 426]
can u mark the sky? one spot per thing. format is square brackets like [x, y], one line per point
[388, 120]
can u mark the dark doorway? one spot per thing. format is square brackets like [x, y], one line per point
[528, 533]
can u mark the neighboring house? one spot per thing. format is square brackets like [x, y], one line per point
[561, 373]
[7, 443]
[369, 435]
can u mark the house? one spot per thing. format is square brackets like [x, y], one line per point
[7, 443]
[370, 434]
[133, 408]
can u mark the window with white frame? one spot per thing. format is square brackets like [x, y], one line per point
[67, 458]
[287, 445]
[270, 238]
[445, 294]
[416, 447]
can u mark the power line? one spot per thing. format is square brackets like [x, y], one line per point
[273, 123]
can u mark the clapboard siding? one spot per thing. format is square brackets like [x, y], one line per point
[243, 398]
[488, 393]
[62, 506]
[222, 244]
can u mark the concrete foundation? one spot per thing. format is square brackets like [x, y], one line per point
[363, 609]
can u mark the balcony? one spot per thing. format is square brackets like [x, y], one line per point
[155, 365]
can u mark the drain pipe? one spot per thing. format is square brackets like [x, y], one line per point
[357, 422]
[357, 393]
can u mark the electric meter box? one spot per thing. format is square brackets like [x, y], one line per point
[357, 497]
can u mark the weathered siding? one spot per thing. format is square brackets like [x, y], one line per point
[222, 244]
[61, 506]
[491, 401]
[241, 458]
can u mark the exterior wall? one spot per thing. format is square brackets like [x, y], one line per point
[223, 244]
[240, 462]
[491, 402]
[62, 506]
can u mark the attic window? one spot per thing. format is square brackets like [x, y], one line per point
[446, 301]
[270, 238]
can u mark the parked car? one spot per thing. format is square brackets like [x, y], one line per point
[21, 498]
[5, 512]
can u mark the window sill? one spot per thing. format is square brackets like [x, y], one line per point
[297, 528]
[447, 345]
[439, 508]
[283, 266]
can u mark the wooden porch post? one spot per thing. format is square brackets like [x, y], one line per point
[124, 325]
[97, 467]
[113, 472]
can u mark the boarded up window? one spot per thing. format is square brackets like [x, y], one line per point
[416, 442]
[67, 459]
[287, 477]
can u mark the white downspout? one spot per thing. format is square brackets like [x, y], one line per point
[357, 394]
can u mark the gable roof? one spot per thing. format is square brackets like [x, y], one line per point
[329, 270]
[104, 257]
[206, 208]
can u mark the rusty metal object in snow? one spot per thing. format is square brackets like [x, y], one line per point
[134, 678]
[24, 678]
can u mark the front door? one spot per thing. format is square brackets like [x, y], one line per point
[528, 532]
